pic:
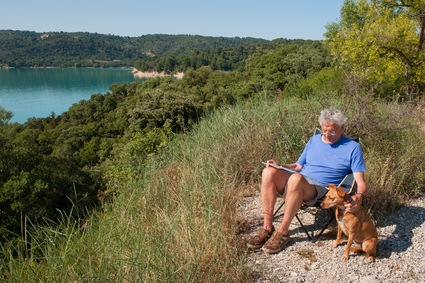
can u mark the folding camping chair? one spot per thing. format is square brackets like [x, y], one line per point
[348, 184]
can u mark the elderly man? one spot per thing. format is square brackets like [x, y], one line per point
[326, 159]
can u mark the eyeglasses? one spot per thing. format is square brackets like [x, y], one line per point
[330, 132]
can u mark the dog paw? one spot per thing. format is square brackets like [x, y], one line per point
[336, 244]
[345, 258]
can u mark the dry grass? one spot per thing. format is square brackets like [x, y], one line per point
[308, 254]
[175, 217]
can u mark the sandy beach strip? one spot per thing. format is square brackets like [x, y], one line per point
[139, 74]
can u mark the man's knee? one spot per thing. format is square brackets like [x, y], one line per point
[269, 170]
[270, 173]
[296, 179]
[273, 179]
[297, 183]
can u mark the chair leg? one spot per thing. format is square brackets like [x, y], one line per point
[311, 237]
[332, 217]
[310, 234]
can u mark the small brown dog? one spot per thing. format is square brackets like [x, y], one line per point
[356, 225]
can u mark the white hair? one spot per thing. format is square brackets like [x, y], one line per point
[332, 116]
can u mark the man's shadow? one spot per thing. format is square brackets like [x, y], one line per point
[405, 220]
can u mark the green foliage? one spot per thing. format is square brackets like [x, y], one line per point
[34, 184]
[161, 53]
[220, 58]
[381, 45]
[158, 109]
[198, 78]
[325, 82]
[5, 116]
[285, 65]
[81, 49]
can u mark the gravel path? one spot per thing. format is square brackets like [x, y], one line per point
[401, 250]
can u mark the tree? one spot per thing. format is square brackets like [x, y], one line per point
[5, 116]
[285, 65]
[381, 42]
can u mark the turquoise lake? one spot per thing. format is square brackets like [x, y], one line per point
[39, 92]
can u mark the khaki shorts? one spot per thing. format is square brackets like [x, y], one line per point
[321, 190]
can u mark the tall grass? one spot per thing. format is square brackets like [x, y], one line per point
[175, 220]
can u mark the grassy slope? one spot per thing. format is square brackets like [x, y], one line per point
[174, 219]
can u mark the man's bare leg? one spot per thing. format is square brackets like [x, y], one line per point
[273, 182]
[298, 191]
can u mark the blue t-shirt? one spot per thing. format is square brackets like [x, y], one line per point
[329, 163]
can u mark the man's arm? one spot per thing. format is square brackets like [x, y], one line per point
[358, 198]
[361, 184]
[293, 166]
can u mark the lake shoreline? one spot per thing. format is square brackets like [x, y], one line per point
[134, 71]
[153, 74]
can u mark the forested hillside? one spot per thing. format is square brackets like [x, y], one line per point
[220, 58]
[58, 163]
[82, 49]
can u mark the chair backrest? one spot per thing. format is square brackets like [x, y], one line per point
[348, 184]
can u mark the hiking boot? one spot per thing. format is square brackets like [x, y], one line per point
[260, 239]
[276, 243]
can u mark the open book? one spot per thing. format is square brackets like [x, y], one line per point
[280, 167]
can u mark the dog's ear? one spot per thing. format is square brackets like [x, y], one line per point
[341, 193]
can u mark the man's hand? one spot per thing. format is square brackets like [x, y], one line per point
[354, 203]
[272, 161]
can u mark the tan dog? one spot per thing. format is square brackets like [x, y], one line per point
[356, 225]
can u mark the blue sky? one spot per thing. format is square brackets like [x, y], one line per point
[268, 19]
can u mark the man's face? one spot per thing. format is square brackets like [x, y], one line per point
[331, 133]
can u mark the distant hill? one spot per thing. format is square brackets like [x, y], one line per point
[82, 49]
